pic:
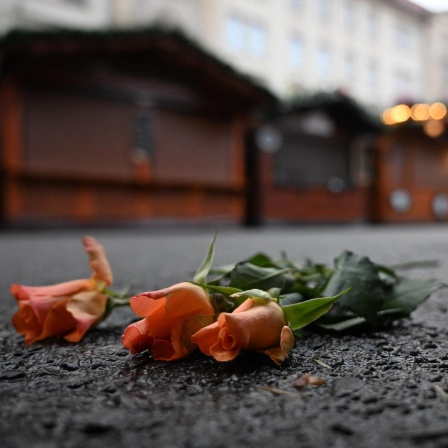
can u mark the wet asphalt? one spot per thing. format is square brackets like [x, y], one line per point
[383, 388]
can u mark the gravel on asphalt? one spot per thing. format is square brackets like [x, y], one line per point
[387, 387]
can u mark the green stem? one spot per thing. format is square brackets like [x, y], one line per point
[120, 302]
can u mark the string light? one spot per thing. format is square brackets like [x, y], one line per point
[437, 111]
[400, 113]
[430, 115]
[420, 112]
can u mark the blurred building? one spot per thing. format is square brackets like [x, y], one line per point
[38, 14]
[411, 165]
[121, 125]
[315, 161]
[377, 51]
[124, 127]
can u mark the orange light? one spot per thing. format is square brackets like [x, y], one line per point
[437, 111]
[433, 128]
[386, 117]
[420, 112]
[400, 113]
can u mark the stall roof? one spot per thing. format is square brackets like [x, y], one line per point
[169, 48]
[338, 106]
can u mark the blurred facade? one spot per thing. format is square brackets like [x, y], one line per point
[315, 161]
[377, 51]
[121, 125]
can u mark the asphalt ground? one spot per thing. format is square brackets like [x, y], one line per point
[383, 388]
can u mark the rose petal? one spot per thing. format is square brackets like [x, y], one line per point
[186, 299]
[145, 303]
[226, 347]
[158, 325]
[87, 308]
[280, 353]
[21, 292]
[206, 337]
[97, 259]
[276, 354]
[136, 338]
[26, 323]
[163, 350]
[287, 340]
[259, 327]
[181, 334]
[58, 322]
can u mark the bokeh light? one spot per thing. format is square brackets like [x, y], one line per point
[386, 117]
[438, 111]
[400, 113]
[420, 112]
[433, 128]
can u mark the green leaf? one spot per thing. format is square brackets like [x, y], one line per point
[290, 298]
[344, 324]
[202, 272]
[348, 323]
[366, 296]
[303, 313]
[220, 273]
[224, 290]
[274, 292]
[253, 293]
[408, 293]
[248, 276]
[262, 260]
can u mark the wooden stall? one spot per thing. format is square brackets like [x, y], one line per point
[315, 161]
[412, 169]
[120, 125]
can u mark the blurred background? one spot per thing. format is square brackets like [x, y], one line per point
[249, 112]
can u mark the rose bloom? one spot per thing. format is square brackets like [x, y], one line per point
[171, 316]
[66, 309]
[254, 325]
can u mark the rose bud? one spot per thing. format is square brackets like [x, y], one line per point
[171, 316]
[66, 309]
[255, 325]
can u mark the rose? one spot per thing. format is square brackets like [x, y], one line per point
[171, 316]
[66, 309]
[255, 325]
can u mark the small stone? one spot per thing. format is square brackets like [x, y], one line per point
[370, 399]
[342, 429]
[96, 427]
[435, 378]
[11, 375]
[70, 366]
[193, 389]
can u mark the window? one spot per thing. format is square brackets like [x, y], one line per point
[323, 61]
[256, 40]
[324, 9]
[444, 71]
[372, 74]
[403, 36]
[235, 34]
[245, 37]
[403, 85]
[76, 2]
[372, 24]
[350, 68]
[349, 15]
[297, 4]
[295, 52]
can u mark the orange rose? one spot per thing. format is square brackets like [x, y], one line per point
[66, 309]
[172, 315]
[254, 325]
